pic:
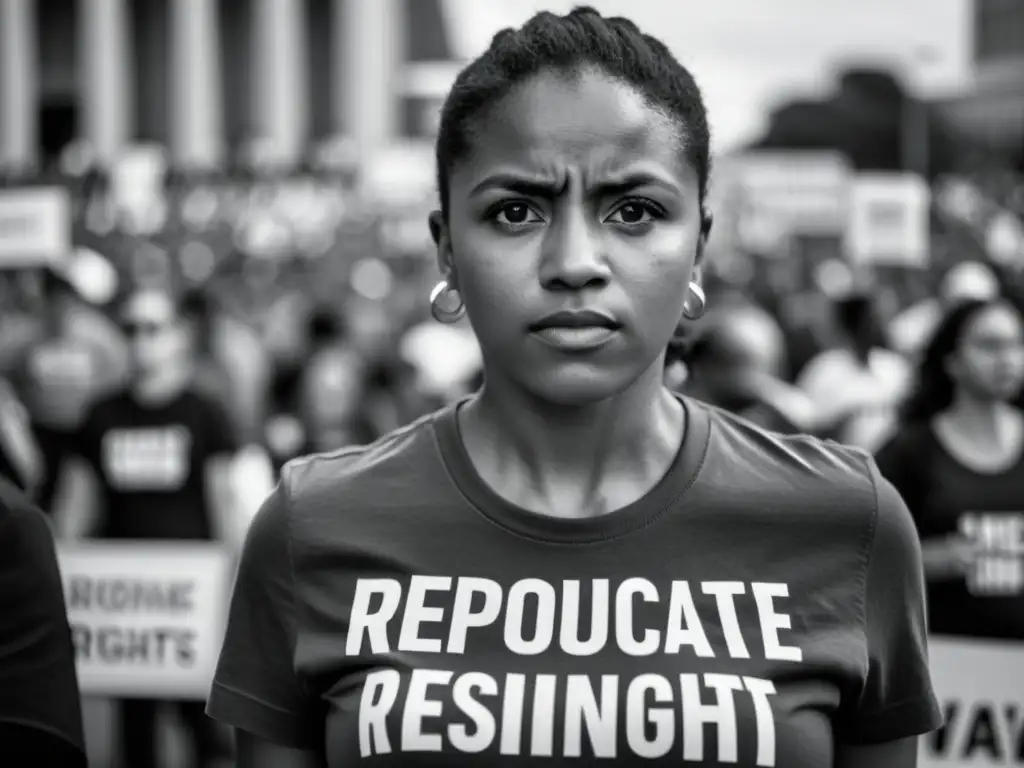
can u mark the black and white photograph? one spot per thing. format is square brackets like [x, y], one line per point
[511, 383]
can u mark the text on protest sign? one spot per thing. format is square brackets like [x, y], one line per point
[146, 619]
[35, 227]
[980, 685]
[693, 715]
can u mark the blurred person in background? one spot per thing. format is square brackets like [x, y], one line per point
[445, 363]
[732, 346]
[322, 404]
[958, 461]
[73, 358]
[40, 709]
[859, 366]
[154, 462]
[910, 331]
[331, 395]
[231, 362]
[735, 360]
[573, 160]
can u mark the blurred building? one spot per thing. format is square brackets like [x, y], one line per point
[993, 109]
[215, 80]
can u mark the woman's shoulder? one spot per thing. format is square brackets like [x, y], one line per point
[786, 461]
[404, 462]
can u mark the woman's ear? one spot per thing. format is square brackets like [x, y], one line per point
[442, 243]
[436, 223]
[706, 222]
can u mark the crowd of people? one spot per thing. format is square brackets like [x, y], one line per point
[155, 401]
[170, 409]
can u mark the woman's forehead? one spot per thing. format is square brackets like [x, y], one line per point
[592, 123]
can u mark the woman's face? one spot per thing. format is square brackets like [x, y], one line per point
[574, 230]
[990, 358]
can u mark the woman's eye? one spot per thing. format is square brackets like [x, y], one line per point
[514, 214]
[633, 214]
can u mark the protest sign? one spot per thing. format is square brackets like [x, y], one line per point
[35, 226]
[147, 618]
[980, 685]
[780, 194]
[889, 220]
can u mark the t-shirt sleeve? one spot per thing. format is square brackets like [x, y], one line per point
[256, 687]
[896, 700]
[38, 686]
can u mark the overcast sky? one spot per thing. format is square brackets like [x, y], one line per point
[749, 54]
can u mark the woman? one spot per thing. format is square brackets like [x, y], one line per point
[418, 602]
[859, 367]
[959, 463]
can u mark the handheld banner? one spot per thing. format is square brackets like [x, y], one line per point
[147, 618]
[980, 685]
[35, 227]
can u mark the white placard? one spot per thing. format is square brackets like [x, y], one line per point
[784, 193]
[35, 226]
[889, 220]
[980, 685]
[147, 618]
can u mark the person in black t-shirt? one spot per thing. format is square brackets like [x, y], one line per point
[157, 465]
[959, 464]
[40, 712]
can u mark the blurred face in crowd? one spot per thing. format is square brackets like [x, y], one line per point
[739, 343]
[574, 230]
[157, 336]
[989, 361]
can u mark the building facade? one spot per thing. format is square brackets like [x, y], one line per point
[211, 80]
[994, 109]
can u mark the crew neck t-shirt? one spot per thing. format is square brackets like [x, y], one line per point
[763, 602]
[150, 460]
[945, 497]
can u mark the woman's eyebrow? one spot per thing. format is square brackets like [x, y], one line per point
[545, 188]
[530, 186]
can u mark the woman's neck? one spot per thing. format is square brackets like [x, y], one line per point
[975, 417]
[582, 461]
[983, 436]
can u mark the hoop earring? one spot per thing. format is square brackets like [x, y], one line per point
[697, 294]
[440, 313]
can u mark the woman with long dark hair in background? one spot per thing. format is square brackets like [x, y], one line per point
[958, 461]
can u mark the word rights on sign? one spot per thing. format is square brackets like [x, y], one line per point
[146, 619]
[595, 708]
